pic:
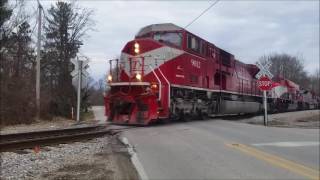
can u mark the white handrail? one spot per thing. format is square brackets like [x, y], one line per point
[160, 86]
[168, 86]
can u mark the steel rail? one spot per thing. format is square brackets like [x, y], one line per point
[25, 140]
[51, 132]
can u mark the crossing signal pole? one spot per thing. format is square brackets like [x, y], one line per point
[80, 70]
[264, 83]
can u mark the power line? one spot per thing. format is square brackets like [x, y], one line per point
[202, 13]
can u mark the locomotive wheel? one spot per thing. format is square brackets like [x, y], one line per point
[184, 116]
[199, 114]
[166, 120]
[187, 117]
[174, 114]
[172, 117]
[181, 115]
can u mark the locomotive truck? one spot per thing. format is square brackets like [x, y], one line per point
[167, 73]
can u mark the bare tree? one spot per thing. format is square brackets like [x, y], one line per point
[97, 91]
[287, 66]
[16, 69]
[315, 82]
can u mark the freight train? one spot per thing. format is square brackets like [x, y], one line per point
[168, 73]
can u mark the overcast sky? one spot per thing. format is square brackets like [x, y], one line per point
[246, 29]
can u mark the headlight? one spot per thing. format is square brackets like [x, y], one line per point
[138, 76]
[136, 48]
[109, 78]
[154, 86]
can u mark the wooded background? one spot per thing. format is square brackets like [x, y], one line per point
[63, 28]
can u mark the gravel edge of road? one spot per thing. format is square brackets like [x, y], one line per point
[134, 158]
[295, 119]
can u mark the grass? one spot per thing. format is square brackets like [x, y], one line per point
[87, 116]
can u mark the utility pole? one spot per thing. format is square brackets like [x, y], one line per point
[79, 89]
[38, 62]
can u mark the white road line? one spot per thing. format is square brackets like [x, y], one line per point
[134, 159]
[289, 144]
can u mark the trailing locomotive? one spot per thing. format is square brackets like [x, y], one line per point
[167, 73]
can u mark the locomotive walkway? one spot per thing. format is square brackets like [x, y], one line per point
[215, 149]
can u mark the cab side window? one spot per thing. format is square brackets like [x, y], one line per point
[211, 52]
[193, 43]
[203, 48]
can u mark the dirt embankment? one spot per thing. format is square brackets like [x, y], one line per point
[296, 119]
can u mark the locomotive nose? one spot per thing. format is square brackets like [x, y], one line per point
[133, 105]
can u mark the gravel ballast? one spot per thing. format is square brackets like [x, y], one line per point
[98, 158]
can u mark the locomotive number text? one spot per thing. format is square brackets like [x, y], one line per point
[195, 63]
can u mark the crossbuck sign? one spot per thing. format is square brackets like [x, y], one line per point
[80, 68]
[264, 70]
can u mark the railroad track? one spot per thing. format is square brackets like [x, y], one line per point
[10, 142]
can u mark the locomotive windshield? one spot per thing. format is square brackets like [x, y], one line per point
[171, 38]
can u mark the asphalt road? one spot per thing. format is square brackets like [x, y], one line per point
[98, 112]
[217, 149]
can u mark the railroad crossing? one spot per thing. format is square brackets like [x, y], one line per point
[265, 84]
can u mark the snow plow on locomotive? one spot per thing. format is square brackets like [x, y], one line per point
[167, 73]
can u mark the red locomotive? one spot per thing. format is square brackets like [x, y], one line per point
[167, 73]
